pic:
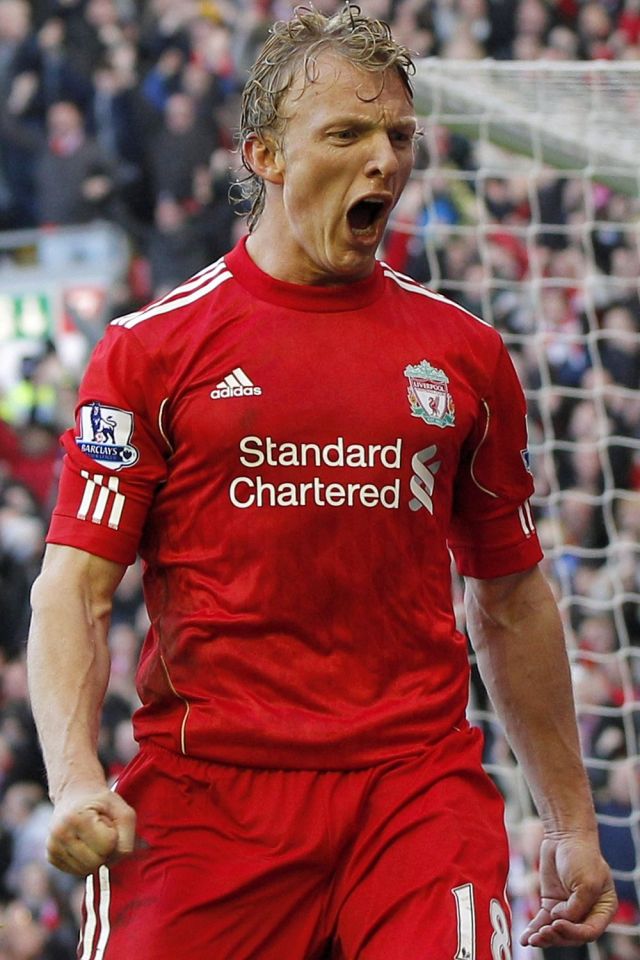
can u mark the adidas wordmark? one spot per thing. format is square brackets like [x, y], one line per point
[236, 384]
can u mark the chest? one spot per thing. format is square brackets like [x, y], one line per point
[373, 380]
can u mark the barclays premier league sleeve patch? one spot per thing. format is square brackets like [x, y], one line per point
[105, 433]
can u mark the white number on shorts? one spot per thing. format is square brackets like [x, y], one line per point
[500, 941]
[465, 912]
[466, 922]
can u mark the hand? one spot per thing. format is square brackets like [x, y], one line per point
[577, 895]
[91, 826]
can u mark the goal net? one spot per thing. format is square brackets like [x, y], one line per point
[525, 208]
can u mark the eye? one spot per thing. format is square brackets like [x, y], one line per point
[402, 137]
[344, 136]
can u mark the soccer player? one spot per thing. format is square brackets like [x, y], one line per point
[298, 436]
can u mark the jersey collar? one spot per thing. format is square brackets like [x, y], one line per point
[320, 299]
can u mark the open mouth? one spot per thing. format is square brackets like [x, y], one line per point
[364, 215]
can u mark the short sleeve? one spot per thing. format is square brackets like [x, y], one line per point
[492, 531]
[116, 453]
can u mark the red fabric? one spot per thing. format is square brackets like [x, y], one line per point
[9, 444]
[37, 472]
[629, 24]
[514, 246]
[237, 864]
[295, 526]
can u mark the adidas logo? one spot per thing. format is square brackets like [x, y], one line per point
[236, 384]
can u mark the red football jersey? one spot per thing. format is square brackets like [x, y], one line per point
[294, 464]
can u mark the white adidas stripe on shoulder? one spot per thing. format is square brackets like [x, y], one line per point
[407, 283]
[197, 286]
[190, 284]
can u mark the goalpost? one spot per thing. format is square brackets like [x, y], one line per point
[525, 207]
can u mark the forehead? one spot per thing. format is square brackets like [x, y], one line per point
[333, 84]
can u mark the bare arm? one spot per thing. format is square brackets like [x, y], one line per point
[69, 663]
[516, 631]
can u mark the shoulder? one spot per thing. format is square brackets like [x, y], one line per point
[159, 343]
[186, 305]
[427, 304]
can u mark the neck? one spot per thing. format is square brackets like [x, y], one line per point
[277, 253]
[272, 248]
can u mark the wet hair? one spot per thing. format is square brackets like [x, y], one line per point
[293, 46]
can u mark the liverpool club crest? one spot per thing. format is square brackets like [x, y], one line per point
[429, 395]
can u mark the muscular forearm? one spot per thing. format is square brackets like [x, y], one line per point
[68, 661]
[517, 634]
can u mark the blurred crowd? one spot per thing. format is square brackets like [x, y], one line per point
[125, 111]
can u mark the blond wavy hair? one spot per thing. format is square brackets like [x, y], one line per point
[293, 45]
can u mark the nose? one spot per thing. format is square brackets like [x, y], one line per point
[383, 160]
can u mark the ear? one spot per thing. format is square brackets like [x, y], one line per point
[264, 156]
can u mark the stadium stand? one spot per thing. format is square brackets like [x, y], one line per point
[128, 107]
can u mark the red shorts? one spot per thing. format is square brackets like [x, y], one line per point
[403, 861]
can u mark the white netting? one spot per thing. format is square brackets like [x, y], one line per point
[584, 115]
[525, 207]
